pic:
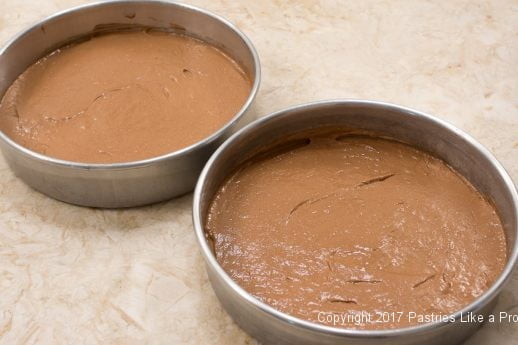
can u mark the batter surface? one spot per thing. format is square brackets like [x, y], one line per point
[356, 225]
[123, 97]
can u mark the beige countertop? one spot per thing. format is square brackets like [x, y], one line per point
[72, 275]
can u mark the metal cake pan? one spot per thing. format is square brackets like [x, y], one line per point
[423, 131]
[132, 183]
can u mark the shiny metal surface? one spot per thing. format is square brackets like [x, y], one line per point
[421, 130]
[133, 183]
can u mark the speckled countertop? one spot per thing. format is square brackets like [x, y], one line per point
[72, 275]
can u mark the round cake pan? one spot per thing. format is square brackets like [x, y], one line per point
[132, 183]
[423, 131]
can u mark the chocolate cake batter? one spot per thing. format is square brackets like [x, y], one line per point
[356, 224]
[123, 97]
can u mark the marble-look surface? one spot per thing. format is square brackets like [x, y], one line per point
[72, 275]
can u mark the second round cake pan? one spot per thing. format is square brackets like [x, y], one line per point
[423, 131]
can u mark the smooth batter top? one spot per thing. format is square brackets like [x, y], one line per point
[356, 225]
[123, 97]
